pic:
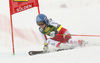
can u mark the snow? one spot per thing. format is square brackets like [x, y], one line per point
[80, 55]
[78, 16]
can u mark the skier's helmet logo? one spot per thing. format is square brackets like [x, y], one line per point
[38, 19]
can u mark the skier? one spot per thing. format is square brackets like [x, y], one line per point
[54, 30]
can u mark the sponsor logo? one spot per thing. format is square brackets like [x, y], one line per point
[25, 7]
[20, 0]
[47, 29]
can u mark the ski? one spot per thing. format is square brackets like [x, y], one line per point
[35, 52]
[69, 46]
[31, 53]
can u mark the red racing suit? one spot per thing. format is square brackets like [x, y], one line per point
[52, 26]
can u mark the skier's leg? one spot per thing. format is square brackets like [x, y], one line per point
[59, 45]
[76, 42]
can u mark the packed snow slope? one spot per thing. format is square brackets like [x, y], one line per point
[78, 16]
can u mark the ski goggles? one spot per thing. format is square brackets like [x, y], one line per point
[40, 23]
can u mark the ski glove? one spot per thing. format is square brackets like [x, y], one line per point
[45, 48]
[52, 34]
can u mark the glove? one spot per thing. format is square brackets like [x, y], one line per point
[52, 34]
[45, 48]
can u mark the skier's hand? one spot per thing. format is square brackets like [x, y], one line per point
[45, 48]
[52, 34]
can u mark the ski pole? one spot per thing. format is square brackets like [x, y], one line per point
[78, 35]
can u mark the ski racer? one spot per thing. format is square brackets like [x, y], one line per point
[48, 27]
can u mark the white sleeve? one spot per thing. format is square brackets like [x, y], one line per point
[53, 23]
[43, 37]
